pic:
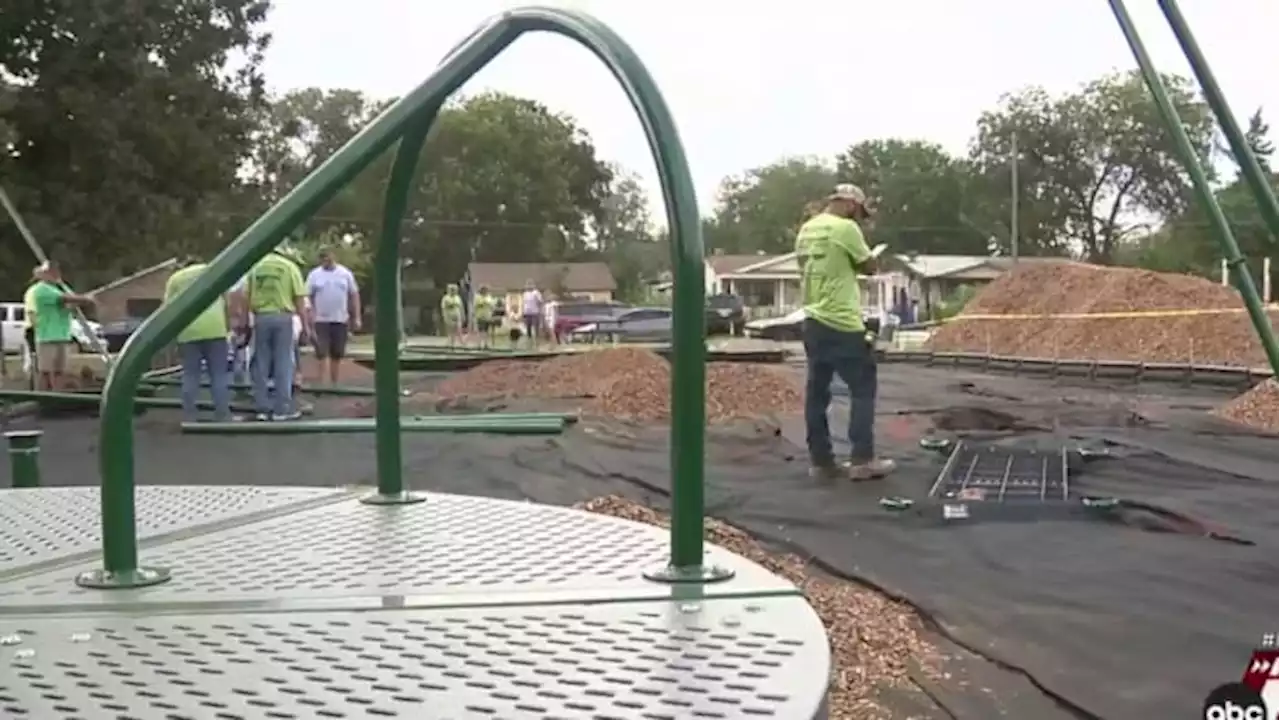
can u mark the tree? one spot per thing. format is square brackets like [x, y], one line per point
[1257, 137]
[759, 210]
[1089, 162]
[920, 195]
[624, 235]
[501, 179]
[124, 121]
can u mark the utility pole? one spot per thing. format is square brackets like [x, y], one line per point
[1013, 197]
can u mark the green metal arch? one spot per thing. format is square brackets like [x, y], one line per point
[408, 121]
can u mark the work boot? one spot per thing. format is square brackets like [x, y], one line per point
[873, 469]
[829, 472]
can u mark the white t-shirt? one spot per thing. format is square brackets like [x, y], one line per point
[531, 303]
[330, 289]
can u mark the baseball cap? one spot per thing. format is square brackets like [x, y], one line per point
[848, 191]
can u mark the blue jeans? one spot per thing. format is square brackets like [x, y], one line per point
[273, 359]
[198, 356]
[850, 355]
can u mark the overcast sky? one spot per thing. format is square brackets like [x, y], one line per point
[750, 82]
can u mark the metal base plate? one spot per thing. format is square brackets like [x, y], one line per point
[311, 604]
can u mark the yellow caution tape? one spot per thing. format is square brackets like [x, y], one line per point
[1106, 315]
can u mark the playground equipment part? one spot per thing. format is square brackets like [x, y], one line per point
[334, 390]
[495, 423]
[24, 457]
[494, 603]
[90, 401]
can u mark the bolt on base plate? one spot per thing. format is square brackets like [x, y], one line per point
[689, 574]
[136, 578]
[403, 497]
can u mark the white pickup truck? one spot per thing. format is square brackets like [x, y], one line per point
[13, 319]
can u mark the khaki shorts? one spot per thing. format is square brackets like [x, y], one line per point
[52, 357]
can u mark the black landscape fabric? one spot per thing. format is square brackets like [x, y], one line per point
[1115, 620]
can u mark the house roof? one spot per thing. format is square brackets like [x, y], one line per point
[721, 264]
[588, 276]
[169, 264]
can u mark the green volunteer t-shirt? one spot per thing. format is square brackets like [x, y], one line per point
[274, 285]
[828, 249]
[451, 306]
[210, 324]
[53, 318]
[484, 307]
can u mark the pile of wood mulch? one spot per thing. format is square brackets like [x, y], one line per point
[1077, 288]
[876, 642]
[1259, 408]
[627, 383]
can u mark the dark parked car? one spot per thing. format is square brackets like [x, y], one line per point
[726, 314]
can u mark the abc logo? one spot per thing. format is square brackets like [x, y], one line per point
[1234, 701]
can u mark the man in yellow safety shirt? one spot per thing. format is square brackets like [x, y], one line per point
[451, 313]
[484, 305]
[831, 251]
[203, 347]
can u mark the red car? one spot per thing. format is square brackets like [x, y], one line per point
[571, 314]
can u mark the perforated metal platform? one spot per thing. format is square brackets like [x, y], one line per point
[304, 603]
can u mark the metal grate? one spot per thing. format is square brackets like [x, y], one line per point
[448, 545]
[989, 482]
[725, 659]
[48, 524]
[1002, 475]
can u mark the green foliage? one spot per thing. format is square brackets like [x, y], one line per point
[953, 304]
[1088, 162]
[760, 210]
[122, 123]
[920, 195]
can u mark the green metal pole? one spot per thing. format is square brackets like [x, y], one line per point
[24, 457]
[1227, 241]
[387, 328]
[1249, 165]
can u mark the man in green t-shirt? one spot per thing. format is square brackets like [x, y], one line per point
[832, 252]
[203, 346]
[275, 294]
[484, 304]
[54, 304]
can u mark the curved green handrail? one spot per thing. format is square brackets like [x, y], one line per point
[408, 121]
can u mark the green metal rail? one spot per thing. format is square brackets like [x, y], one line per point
[408, 122]
[1190, 160]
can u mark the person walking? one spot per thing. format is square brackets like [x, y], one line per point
[831, 252]
[531, 312]
[335, 305]
[275, 294]
[53, 304]
[203, 347]
[451, 314]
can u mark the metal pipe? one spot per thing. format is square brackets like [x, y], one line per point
[1190, 161]
[24, 457]
[388, 330]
